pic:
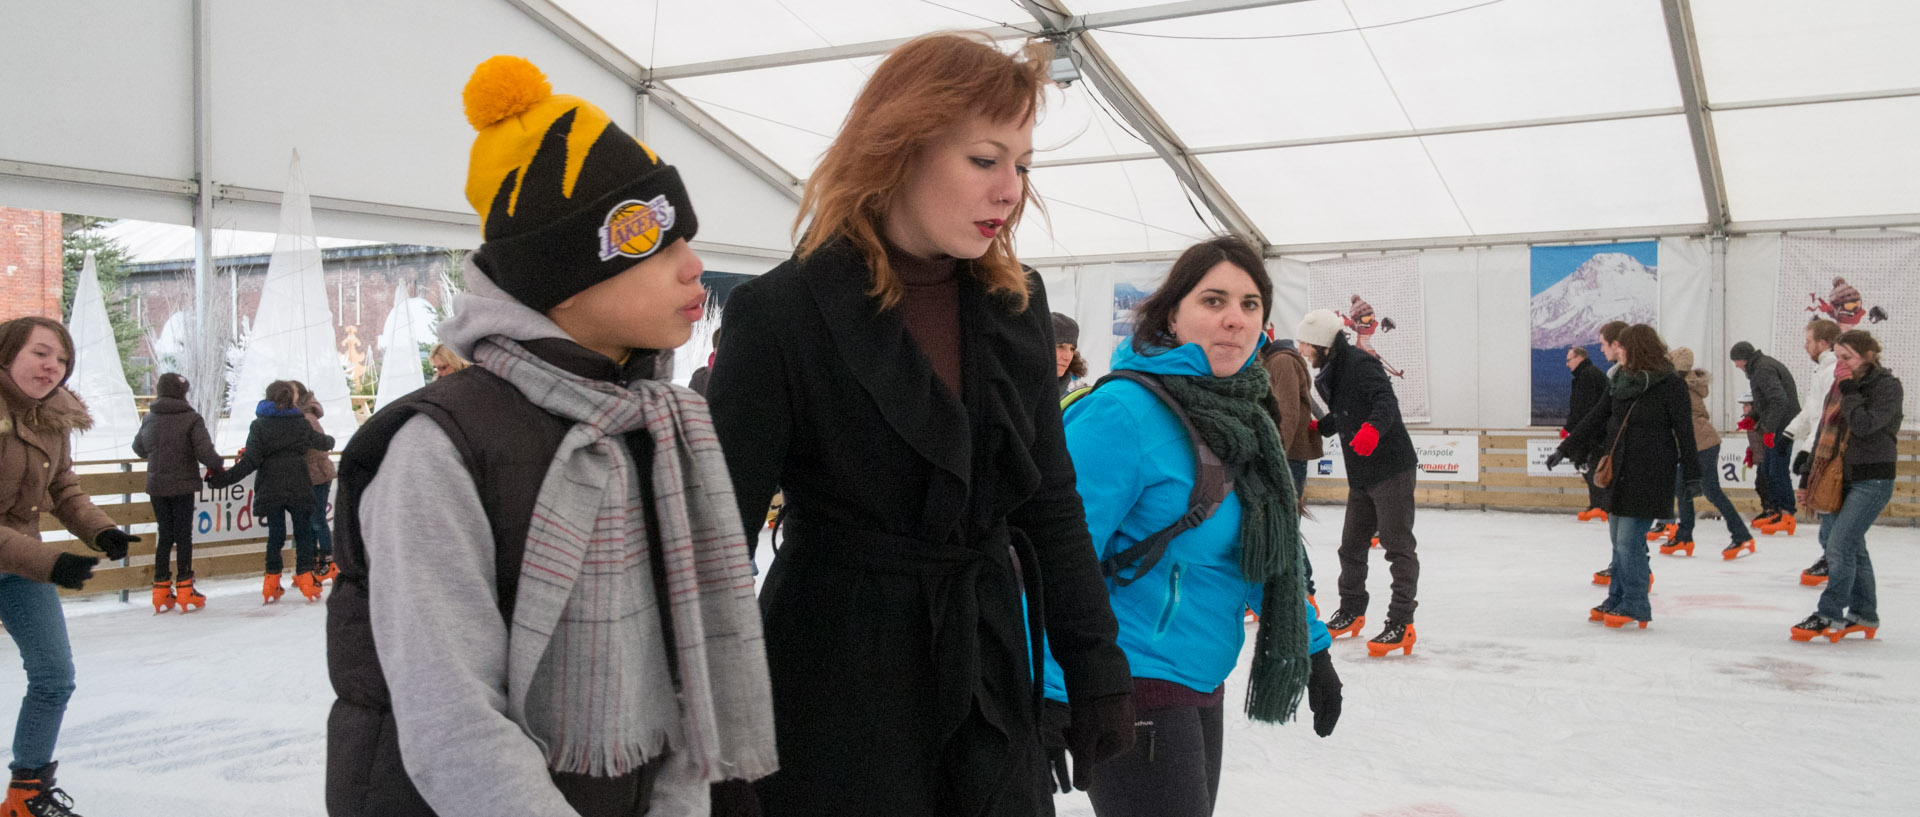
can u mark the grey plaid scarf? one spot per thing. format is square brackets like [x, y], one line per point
[586, 659]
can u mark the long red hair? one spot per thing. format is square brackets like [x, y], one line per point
[921, 90]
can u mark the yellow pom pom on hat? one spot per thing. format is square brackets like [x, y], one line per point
[566, 198]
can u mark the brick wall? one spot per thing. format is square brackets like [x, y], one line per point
[29, 263]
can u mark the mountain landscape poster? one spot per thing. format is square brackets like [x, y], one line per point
[1576, 290]
[1861, 282]
[1380, 299]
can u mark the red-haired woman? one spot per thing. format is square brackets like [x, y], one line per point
[896, 380]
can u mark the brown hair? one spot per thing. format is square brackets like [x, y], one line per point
[1825, 331]
[1863, 344]
[1154, 315]
[1610, 333]
[13, 339]
[282, 393]
[1078, 366]
[172, 385]
[922, 89]
[301, 393]
[1645, 351]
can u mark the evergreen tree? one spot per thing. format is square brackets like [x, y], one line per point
[110, 259]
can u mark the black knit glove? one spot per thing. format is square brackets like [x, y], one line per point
[1803, 463]
[71, 571]
[1554, 459]
[1054, 717]
[1323, 693]
[734, 798]
[114, 542]
[1694, 489]
[1096, 730]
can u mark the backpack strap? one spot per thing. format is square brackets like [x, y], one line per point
[1212, 481]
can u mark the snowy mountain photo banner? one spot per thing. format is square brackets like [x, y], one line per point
[1576, 290]
[1868, 283]
[1384, 306]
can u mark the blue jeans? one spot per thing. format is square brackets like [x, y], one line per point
[1774, 464]
[1709, 488]
[31, 612]
[302, 539]
[1627, 593]
[322, 537]
[1849, 570]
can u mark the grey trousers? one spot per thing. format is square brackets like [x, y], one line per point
[1385, 507]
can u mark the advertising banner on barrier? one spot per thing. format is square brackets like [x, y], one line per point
[1731, 471]
[1443, 458]
[227, 514]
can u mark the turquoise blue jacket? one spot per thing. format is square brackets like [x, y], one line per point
[1183, 622]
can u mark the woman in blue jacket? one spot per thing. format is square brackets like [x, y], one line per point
[1181, 621]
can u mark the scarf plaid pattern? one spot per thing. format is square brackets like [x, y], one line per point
[586, 663]
[1827, 448]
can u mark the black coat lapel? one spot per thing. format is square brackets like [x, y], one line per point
[882, 355]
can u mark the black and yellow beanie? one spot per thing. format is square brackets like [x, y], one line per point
[566, 199]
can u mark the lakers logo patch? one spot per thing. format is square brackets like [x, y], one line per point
[634, 228]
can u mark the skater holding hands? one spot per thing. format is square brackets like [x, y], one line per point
[175, 443]
[277, 446]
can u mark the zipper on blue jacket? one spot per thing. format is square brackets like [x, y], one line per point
[1173, 600]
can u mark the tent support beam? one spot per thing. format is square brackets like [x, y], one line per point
[1074, 23]
[596, 48]
[1110, 82]
[1693, 95]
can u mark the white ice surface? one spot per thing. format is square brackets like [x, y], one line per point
[1512, 705]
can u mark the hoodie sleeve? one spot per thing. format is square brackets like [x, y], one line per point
[1812, 403]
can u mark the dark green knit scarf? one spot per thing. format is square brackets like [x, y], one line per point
[1231, 415]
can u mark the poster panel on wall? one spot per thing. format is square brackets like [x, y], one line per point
[1381, 301]
[1731, 470]
[1576, 290]
[1443, 458]
[1870, 283]
[1131, 286]
[227, 514]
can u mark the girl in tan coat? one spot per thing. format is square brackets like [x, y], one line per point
[37, 414]
[1707, 440]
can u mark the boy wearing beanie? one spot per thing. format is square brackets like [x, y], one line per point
[544, 605]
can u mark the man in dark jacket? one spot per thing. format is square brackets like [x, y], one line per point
[1775, 402]
[1589, 385]
[1381, 466]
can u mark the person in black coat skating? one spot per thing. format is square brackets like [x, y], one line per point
[175, 443]
[895, 380]
[1589, 386]
[1644, 430]
[1381, 466]
[277, 447]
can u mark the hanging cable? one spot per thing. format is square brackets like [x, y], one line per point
[1356, 27]
[1420, 140]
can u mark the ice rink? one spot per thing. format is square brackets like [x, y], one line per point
[1512, 704]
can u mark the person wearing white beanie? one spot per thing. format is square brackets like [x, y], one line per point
[1381, 467]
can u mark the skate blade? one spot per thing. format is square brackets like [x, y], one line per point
[1405, 646]
[1733, 553]
[1798, 634]
[1350, 630]
[1812, 581]
[1616, 622]
[1835, 635]
[1603, 581]
[1669, 550]
[1596, 614]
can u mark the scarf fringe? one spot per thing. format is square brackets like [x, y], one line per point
[609, 758]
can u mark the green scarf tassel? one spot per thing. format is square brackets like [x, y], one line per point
[1231, 414]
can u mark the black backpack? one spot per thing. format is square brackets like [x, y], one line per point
[1212, 481]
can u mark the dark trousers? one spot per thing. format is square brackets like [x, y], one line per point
[175, 538]
[322, 537]
[302, 539]
[1596, 495]
[1386, 507]
[1779, 481]
[1299, 469]
[1173, 769]
[1709, 488]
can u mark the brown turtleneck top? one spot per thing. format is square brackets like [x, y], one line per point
[931, 307]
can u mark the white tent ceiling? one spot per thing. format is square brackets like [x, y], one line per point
[1310, 124]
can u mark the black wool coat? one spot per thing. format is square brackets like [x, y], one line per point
[1657, 436]
[277, 448]
[1589, 388]
[894, 627]
[1358, 392]
[174, 442]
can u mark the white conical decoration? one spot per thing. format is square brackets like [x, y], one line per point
[97, 375]
[400, 364]
[291, 337]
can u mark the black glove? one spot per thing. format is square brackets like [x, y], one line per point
[1554, 459]
[1097, 730]
[1694, 489]
[1054, 717]
[1803, 463]
[734, 798]
[71, 571]
[114, 542]
[1323, 693]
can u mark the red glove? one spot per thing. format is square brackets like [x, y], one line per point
[1365, 440]
[1563, 434]
[1748, 461]
[1313, 426]
[1745, 424]
[1768, 439]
